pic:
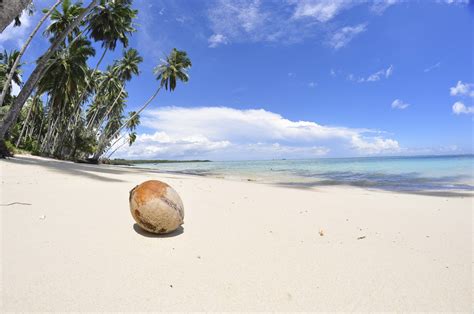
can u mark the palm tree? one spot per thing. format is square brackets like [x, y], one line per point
[124, 70]
[133, 122]
[23, 49]
[175, 67]
[60, 20]
[66, 73]
[9, 65]
[110, 22]
[131, 139]
[35, 106]
[36, 75]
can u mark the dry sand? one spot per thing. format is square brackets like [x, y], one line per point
[72, 246]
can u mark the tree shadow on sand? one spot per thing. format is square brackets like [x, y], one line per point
[94, 172]
[147, 234]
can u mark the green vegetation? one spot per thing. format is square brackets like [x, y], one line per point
[66, 109]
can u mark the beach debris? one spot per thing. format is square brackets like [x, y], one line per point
[321, 232]
[360, 238]
[43, 217]
[156, 207]
[171, 286]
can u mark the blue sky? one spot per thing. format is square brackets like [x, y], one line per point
[300, 79]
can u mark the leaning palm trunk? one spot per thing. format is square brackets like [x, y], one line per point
[24, 125]
[116, 149]
[37, 73]
[113, 144]
[101, 145]
[23, 49]
[110, 109]
[77, 106]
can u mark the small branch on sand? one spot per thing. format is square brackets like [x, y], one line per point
[15, 203]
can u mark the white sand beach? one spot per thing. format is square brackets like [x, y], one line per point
[69, 243]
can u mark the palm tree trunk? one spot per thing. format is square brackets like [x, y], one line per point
[23, 49]
[113, 144]
[48, 135]
[100, 146]
[24, 125]
[110, 108]
[81, 98]
[108, 157]
[10, 9]
[37, 73]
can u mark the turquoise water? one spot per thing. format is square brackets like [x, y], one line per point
[427, 173]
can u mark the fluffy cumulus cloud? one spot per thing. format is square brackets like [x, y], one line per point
[398, 104]
[344, 35]
[462, 89]
[227, 133]
[461, 108]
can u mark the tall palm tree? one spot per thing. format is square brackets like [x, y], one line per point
[132, 124]
[35, 106]
[110, 22]
[131, 139]
[36, 75]
[7, 66]
[67, 72]
[171, 70]
[124, 69]
[23, 49]
[60, 20]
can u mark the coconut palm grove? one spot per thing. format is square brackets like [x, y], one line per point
[68, 108]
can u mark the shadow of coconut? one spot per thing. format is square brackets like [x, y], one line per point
[147, 234]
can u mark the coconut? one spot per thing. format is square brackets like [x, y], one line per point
[156, 207]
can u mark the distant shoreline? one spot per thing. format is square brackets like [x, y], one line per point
[131, 162]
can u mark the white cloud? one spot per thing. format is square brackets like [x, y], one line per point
[458, 2]
[398, 104]
[374, 77]
[321, 10]
[286, 22]
[227, 133]
[17, 35]
[379, 6]
[312, 84]
[15, 89]
[344, 35]
[233, 20]
[460, 108]
[216, 40]
[432, 67]
[462, 89]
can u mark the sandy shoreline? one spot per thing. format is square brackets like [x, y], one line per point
[244, 246]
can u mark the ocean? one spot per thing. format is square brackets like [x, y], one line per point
[408, 174]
